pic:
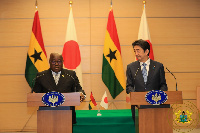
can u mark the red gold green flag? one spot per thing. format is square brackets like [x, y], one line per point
[92, 103]
[36, 57]
[112, 68]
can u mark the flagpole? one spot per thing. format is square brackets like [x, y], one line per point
[144, 2]
[36, 4]
[111, 5]
[112, 101]
[70, 3]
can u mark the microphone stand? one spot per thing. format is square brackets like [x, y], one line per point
[173, 76]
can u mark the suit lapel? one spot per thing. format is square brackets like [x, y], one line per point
[51, 80]
[61, 79]
[139, 74]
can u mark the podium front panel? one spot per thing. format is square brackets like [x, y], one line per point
[54, 121]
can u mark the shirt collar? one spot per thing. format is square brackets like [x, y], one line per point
[147, 62]
[54, 73]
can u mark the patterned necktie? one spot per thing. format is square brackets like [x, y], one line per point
[144, 72]
[56, 78]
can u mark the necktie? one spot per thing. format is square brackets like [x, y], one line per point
[56, 78]
[144, 72]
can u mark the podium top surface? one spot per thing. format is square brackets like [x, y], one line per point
[35, 99]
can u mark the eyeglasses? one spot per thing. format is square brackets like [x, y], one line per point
[54, 62]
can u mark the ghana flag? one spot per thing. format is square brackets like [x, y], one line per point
[112, 69]
[36, 57]
[92, 103]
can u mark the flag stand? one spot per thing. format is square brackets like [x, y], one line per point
[99, 113]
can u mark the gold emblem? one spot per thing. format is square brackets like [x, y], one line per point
[156, 98]
[53, 99]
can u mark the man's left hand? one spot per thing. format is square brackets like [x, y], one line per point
[82, 97]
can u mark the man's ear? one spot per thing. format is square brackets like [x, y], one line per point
[146, 51]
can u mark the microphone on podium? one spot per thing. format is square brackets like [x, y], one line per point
[173, 76]
[136, 73]
[71, 78]
[134, 78]
[34, 80]
[75, 85]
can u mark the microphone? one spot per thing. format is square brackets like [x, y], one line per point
[34, 80]
[69, 76]
[136, 73]
[173, 76]
[135, 77]
[72, 78]
[75, 84]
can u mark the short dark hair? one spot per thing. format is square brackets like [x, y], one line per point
[58, 54]
[143, 44]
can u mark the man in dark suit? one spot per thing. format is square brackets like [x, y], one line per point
[58, 79]
[144, 74]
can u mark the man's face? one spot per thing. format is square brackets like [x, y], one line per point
[140, 54]
[56, 62]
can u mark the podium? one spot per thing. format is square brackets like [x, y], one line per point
[54, 121]
[156, 120]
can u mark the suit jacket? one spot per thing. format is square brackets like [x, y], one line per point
[155, 80]
[68, 82]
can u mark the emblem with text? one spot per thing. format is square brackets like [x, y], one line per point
[186, 116]
[156, 97]
[53, 99]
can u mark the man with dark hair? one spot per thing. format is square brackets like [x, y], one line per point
[58, 79]
[144, 74]
[143, 44]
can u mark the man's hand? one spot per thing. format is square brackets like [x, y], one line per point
[82, 97]
[138, 106]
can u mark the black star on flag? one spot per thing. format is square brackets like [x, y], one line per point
[36, 56]
[112, 55]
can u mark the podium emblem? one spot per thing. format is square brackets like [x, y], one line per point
[156, 97]
[53, 99]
